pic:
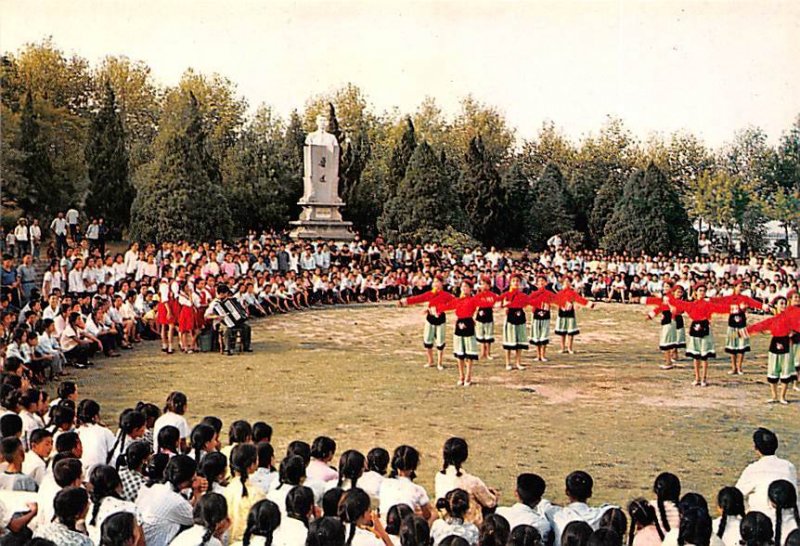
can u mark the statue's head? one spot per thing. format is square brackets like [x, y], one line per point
[322, 122]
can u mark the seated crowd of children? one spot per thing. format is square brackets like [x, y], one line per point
[69, 480]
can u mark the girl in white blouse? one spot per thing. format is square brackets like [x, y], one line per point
[731, 507]
[399, 487]
[96, 439]
[292, 472]
[362, 526]
[262, 522]
[211, 521]
[106, 499]
[299, 510]
[455, 505]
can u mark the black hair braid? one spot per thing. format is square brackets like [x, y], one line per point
[95, 508]
[120, 439]
[352, 532]
[723, 521]
[778, 517]
[662, 511]
[635, 507]
[243, 479]
[197, 450]
[207, 536]
[796, 516]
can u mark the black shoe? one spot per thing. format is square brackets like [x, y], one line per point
[229, 353]
[248, 350]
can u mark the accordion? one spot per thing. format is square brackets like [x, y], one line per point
[231, 312]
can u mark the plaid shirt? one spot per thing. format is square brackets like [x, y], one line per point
[132, 482]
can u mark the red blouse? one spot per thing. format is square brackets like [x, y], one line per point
[701, 310]
[467, 307]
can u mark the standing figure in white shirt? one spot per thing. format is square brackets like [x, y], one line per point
[757, 477]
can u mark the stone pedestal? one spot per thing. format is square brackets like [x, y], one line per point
[322, 221]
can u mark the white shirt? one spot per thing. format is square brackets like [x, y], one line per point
[108, 507]
[97, 442]
[30, 422]
[401, 490]
[522, 514]
[76, 283]
[164, 512]
[442, 529]
[193, 537]
[576, 511]
[756, 478]
[59, 226]
[34, 466]
[370, 483]
[171, 419]
[731, 534]
[291, 532]
[263, 478]
[48, 490]
[72, 216]
[320, 471]
[278, 496]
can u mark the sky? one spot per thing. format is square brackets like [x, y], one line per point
[709, 67]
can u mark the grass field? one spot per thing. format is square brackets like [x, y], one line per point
[356, 374]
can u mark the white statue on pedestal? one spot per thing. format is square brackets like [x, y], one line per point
[321, 166]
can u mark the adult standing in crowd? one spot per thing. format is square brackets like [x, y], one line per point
[72, 221]
[22, 237]
[26, 274]
[59, 228]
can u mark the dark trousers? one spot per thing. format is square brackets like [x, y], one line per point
[61, 245]
[81, 353]
[229, 336]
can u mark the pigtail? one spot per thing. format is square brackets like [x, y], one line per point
[778, 514]
[351, 534]
[722, 523]
[662, 521]
[95, 508]
[243, 479]
[207, 536]
[631, 531]
[796, 516]
[110, 454]
[197, 450]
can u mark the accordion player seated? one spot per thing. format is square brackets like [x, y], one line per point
[229, 319]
